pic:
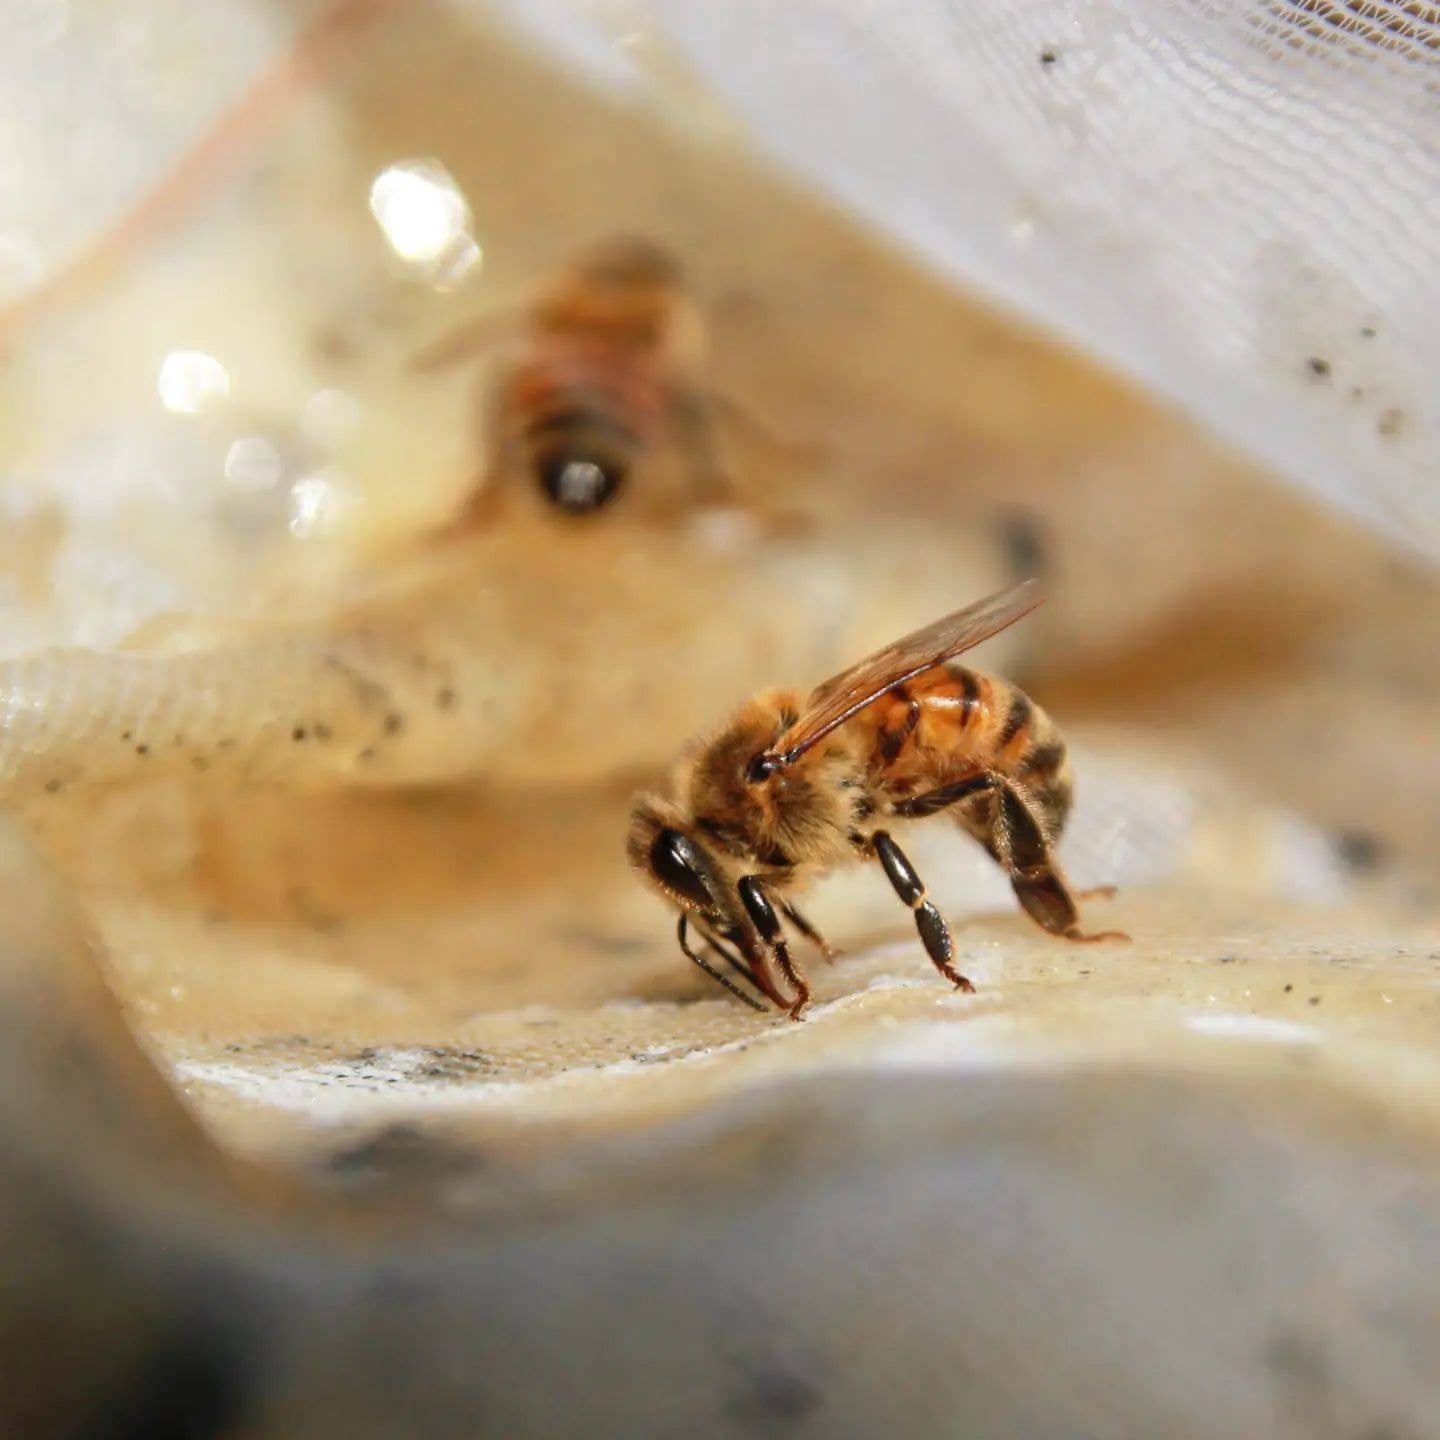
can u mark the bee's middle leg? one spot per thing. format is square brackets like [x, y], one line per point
[934, 932]
[767, 922]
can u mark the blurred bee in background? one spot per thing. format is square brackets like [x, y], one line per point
[792, 787]
[608, 375]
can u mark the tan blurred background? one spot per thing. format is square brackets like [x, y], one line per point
[444, 938]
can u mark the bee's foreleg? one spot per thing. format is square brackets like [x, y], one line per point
[712, 972]
[748, 953]
[934, 932]
[1020, 845]
[767, 922]
[826, 949]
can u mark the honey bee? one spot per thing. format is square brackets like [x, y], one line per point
[793, 787]
[607, 377]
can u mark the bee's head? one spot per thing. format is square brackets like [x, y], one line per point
[629, 261]
[579, 484]
[675, 861]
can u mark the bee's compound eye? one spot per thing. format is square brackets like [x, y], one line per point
[578, 486]
[676, 863]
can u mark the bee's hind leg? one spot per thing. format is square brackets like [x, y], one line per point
[934, 932]
[1018, 842]
[826, 949]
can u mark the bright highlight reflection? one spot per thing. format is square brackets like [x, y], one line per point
[189, 380]
[314, 501]
[420, 209]
[425, 219]
[253, 463]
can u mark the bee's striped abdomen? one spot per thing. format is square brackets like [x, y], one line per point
[579, 387]
[952, 722]
[1042, 770]
[579, 415]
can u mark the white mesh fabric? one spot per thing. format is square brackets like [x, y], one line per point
[1237, 201]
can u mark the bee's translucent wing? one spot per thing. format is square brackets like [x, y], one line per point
[849, 692]
[479, 333]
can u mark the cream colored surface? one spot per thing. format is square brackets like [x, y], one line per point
[318, 945]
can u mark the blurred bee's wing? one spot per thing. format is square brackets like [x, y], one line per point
[840, 697]
[465, 340]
